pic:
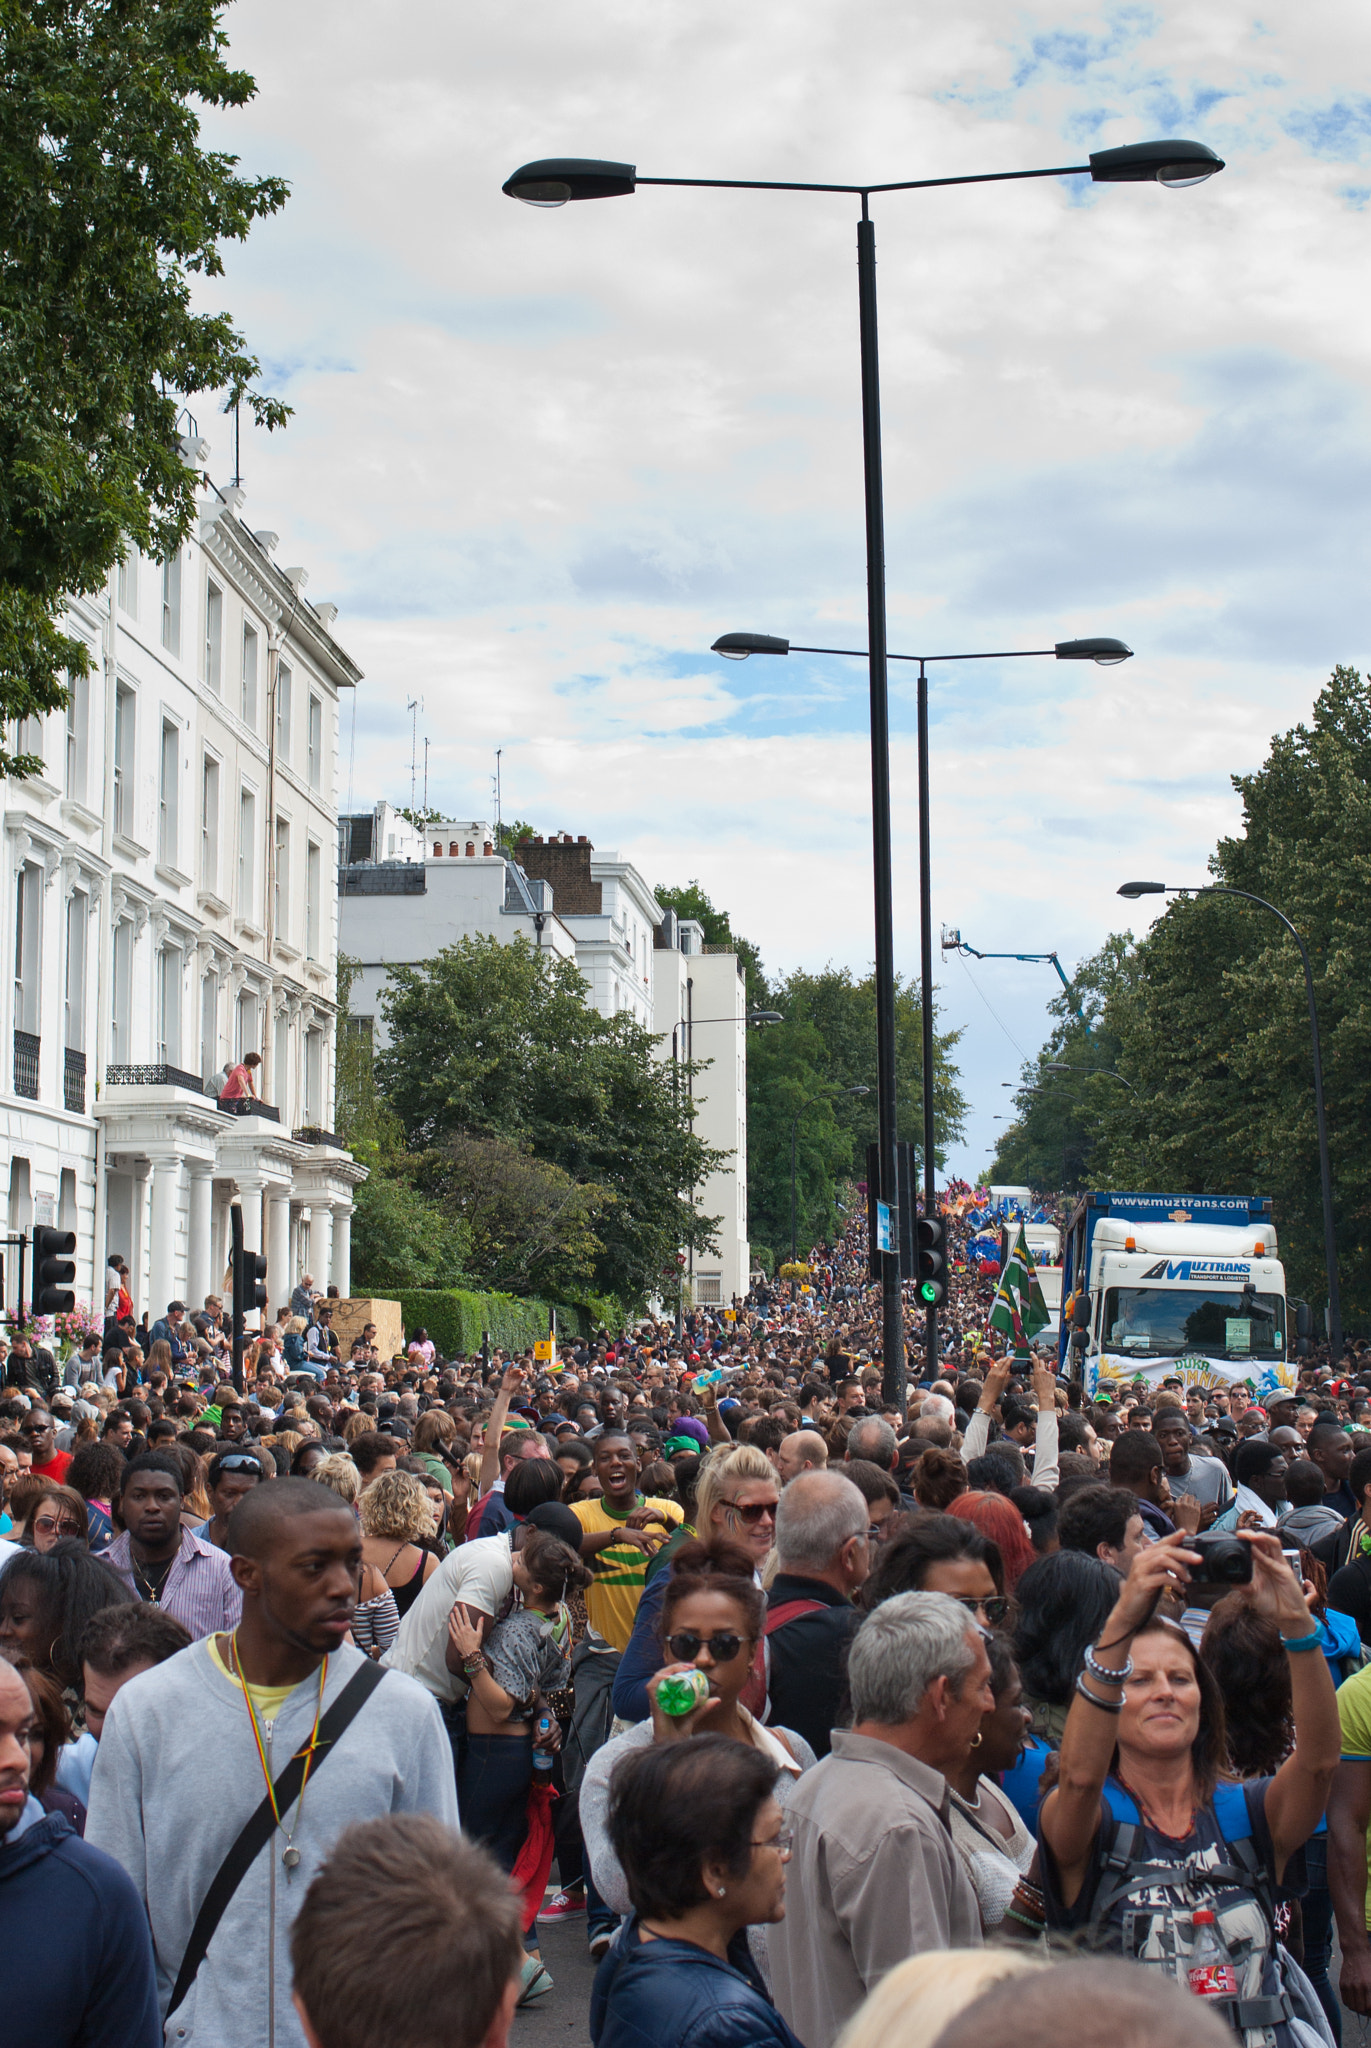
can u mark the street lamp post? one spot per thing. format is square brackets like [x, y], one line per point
[858, 1088]
[1107, 653]
[554, 181]
[1330, 1242]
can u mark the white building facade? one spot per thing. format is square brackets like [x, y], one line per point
[402, 900]
[170, 905]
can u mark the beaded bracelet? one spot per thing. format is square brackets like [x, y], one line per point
[1105, 1706]
[1103, 1672]
[1295, 1644]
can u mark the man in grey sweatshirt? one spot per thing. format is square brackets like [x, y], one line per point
[186, 1748]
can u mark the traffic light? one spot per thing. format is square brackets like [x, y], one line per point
[54, 1271]
[932, 1260]
[249, 1283]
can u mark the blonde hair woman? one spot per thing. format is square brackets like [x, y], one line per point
[911, 2006]
[396, 1512]
[338, 1473]
[376, 1621]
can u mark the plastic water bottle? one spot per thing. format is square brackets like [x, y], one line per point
[542, 1755]
[1209, 1972]
[680, 1692]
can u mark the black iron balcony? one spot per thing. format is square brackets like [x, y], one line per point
[153, 1077]
[26, 1045]
[74, 1081]
[310, 1134]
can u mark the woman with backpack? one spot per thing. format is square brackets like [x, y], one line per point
[1148, 1849]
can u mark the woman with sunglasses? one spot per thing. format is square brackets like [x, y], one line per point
[712, 1617]
[942, 1554]
[700, 1836]
[57, 1513]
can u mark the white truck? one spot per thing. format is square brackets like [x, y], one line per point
[1160, 1286]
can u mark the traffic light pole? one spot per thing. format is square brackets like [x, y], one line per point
[236, 1275]
[931, 1353]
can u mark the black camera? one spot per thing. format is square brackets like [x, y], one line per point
[1225, 1561]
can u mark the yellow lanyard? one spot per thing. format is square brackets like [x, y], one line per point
[291, 1855]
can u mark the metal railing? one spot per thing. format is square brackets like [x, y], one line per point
[153, 1077]
[248, 1105]
[26, 1047]
[310, 1134]
[74, 1081]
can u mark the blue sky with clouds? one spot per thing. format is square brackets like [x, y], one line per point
[540, 460]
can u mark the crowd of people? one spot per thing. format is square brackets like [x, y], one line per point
[828, 1719]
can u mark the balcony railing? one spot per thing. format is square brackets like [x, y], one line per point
[26, 1046]
[310, 1134]
[248, 1105]
[153, 1077]
[74, 1081]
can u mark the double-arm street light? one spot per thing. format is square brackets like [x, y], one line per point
[556, 180]
[829, 1095]
[1108, 653]
[1330, 1242]
[1109, 1073]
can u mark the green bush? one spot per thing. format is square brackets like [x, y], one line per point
[455, 1319]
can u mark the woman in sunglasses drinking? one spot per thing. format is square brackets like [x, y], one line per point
[712, 1618]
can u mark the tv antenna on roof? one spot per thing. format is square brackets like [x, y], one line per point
[415, 705]
[498, 752]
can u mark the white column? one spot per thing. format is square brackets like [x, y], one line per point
[321, 1242]
[340, 1263]
[279, 1280]
[201, 1278]
[166, 1180]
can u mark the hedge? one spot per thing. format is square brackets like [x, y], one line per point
[456, 1319]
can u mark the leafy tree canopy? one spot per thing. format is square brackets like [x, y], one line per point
[1056, 1139]
[108, 208]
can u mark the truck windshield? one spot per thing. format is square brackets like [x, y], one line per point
[1162, 1322]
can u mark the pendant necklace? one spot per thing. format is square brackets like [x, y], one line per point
[290, 1855]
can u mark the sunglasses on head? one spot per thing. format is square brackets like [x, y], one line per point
[752, 1511]
[240, 1461]
[723, 1648]
[994, 1606]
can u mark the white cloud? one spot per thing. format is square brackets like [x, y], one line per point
[540, 461]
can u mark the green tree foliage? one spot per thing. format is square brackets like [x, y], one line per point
[1216, 1027]
[488, 1040]
[1057, 1136]
[718, 930]
[108, 208]
[531, 1228]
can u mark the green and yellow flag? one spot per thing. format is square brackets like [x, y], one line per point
[1018, 1310]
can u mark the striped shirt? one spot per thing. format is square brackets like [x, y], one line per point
[199, 1590]
[612, 1599]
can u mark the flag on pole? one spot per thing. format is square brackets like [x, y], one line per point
[1018, 1310]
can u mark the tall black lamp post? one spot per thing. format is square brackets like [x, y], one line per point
[553, 181]
[1330, 1241]
[1108, 653]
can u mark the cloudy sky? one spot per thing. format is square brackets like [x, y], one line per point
[541, 460]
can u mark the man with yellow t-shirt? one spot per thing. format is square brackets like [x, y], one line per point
[619, 1537]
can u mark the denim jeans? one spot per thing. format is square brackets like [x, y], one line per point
[1316, 1908]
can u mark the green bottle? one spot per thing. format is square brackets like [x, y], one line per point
[680, 1692]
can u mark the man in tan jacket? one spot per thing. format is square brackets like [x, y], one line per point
[874, 1876]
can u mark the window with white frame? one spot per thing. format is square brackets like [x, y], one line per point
[246, 1028]
[209, 826]
[314, 1076]
[126, 588]
[28, 931]
[74, 991]
[78, 733]
[247, 827]
[121, 1009]
[280, 909]
[169, 968]
[316, 742]
[171, 605]
[125, 719]
[209, 1024]
[168, 794]
[283, 693]
[314, 884]
[214, 636]
[247, 702]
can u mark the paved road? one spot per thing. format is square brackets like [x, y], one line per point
[561, 2019]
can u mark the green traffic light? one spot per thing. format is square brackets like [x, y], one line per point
[930, 1292]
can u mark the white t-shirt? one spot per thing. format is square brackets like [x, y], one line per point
[481, 1576]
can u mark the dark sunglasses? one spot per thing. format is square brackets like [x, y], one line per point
[239, 1461]
[723, 1648]
[994, 1607]
[753, 1512]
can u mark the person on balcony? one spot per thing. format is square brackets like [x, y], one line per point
[239, 1091]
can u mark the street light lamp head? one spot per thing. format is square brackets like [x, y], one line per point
[1135, 889]
[860, 1089]
[556, 179]
[1108, 653]
[764, 1017]
[738, 646]
[1163, 163]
